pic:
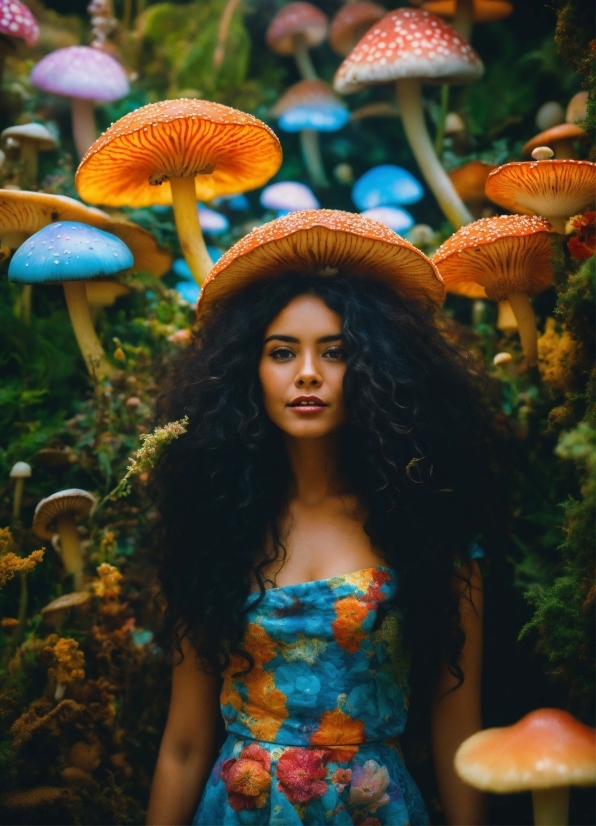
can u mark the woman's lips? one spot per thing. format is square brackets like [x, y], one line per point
[308, 405]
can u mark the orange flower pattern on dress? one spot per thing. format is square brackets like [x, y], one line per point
[312, 727]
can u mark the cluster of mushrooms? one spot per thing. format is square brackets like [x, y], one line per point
[180, 152]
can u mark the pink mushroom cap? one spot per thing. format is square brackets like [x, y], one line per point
[17, 21]
[81, 72]
[409, 43]
[298, 18]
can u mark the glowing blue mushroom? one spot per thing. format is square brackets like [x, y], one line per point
[189, 290]
[288, 196]
[397, 219]
[71, 253]
[386, 185]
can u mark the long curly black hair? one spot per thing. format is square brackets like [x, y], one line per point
[416, 451]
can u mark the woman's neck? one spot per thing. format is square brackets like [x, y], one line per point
[314, 468]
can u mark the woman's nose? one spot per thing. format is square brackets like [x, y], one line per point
[308, 373]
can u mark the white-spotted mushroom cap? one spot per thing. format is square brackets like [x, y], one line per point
[20, 470]
[325, 242]
[72, 600]
[485, 11]
[227, 150]
[294, 19]
[562, 132]
[73, 500]
[505, 254]
[547, 748]
[81, 72]
[28, 212]
[36, 132]
[351, 23]
[553, 189]
[408, 43]
[17, 21]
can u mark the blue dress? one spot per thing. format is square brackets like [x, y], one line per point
[312, 730]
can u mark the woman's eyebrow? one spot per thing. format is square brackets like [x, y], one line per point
[292, 340]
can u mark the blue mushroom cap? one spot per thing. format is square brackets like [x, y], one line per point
[68, 251]
[384, 185]
[328, 118]
[189, 290]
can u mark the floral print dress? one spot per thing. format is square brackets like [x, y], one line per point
[312, 729]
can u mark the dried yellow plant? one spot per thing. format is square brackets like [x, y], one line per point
[10, 563]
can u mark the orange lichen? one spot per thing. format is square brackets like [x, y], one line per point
[10, 563]
[69, 661]
[107, 586]
[29, 723]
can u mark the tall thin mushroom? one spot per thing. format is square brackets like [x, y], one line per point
[511, 257]
[179, 152]
[295, 29]
[58, 514]
[410, 46]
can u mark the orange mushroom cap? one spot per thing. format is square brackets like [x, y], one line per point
[323, 241]
[549, 188]
[545, 749]
[485, 11]
[297, 18]
[408, 43]
[469, 180]
[560, 132]
[225, 150]
[351, 22]
[505, 254]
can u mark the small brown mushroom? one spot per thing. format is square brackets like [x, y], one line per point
[58, 513]
[30, 139]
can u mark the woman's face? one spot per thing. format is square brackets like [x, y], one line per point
[302, 367]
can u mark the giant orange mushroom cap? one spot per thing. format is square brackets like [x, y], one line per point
[546, 751]
[508, 255]
[179, 151]
[410, 47]
[295, 29]
[555, 189]
[325, 242]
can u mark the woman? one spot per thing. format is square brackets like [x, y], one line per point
[316, 518]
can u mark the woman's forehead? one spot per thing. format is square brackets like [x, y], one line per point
[305, 315]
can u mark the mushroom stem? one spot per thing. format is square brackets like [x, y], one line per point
[189, 229]
[18, 498]
[551, 806]
[526, 321]
[83, 124]
[558, 223]
[75, 293]
[28, 157]
[71, 547]
[440, 136]
[302, 57]
[311, 153]
[463, 19]
[409, 95]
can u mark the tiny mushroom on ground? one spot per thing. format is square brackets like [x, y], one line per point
[296, 28]
[561, 138]
[70, 253]
[30, 138]
[16, 23]
[554, 189]
[179, 151]
[351, 23]
[85, 75]
[511, 257]
[288, 196]
[310, 107]
[58, 514]
[545, 752]
[20, 471]
[410, 46]
[464, 13]
[386, 185]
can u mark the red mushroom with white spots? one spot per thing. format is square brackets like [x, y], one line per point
[409, 47]
[16, 23]
[295, 29]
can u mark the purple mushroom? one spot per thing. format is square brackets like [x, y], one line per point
[16, 23]
[288, 196]
[212, 221]
[85, 75]
[395, 218]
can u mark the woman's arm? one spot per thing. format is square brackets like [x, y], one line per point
[455, 716]
[188, 747]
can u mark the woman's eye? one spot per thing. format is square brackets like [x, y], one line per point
[335, 353]
[281, 354]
